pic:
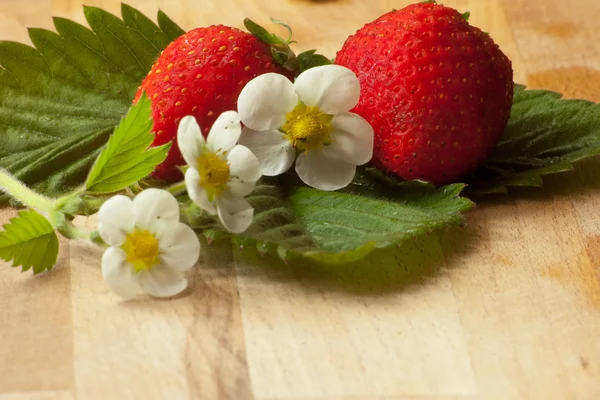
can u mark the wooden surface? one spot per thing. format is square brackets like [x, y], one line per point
[506, 308]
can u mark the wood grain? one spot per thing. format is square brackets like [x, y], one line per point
[189, 347]
[506, 308]
[36, 338]
[306, 328]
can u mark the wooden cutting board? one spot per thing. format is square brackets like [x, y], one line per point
[506, 308]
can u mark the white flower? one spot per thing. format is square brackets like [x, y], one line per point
[310, 117]
[149, 248]
[221, 172]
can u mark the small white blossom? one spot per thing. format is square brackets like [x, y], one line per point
[311, 118]
[221, 172]
[149, 248]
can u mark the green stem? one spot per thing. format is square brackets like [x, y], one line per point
[66, 227]
[97, 240]
[93, 205]
[61, 202]
[70, 231]
[177, 188]
[17, 190]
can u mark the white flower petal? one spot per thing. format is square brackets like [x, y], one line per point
[332, 88]
[352, 138]
[241, 189]
[265, 100]
[244, 164]
[275, 153]
[197, 192]
[190, 140]
[234, 212]
[225, 132]
[245, 170]
[115, 220]
[162, 281]
[180, 247]
[155, 210]
[118, 274]
[324, 169]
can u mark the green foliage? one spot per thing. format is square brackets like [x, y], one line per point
[339, 227]
[126, 158]
[264, 35]
[309, 59]
[61, 100]
[280, 49]
[29, 241]
[546, 134]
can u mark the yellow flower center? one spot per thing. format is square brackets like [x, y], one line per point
[141, 248]
[214, 173]
[308, 128]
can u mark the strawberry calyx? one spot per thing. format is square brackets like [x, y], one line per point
[281, 51]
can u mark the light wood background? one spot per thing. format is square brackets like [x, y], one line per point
[506, 308]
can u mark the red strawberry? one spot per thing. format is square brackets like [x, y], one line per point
[437, 91]
[202, 74]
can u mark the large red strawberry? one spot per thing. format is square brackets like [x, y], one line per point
[437, 91]
[202, 74]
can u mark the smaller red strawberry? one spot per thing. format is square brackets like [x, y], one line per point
[202, 74]
[437, 91]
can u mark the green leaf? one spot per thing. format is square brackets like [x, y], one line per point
[339, 227]
[29, 241]
[61, 100]
[126, 158]
[546, 134]
[262, 34]
[165, 23]
[466, 15]
[309, 59]
[280, 49]
[287, 28]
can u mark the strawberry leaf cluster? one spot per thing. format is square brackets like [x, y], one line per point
[30, 240]
[546, 134]
[61, 100]
[295, 221]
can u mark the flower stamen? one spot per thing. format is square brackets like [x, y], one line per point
[307, 128]
[141, 248]
[214, 173]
